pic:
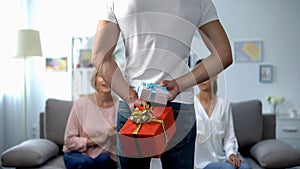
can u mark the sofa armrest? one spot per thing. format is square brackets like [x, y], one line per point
[269, 126]
[42, 125]
[29, 153]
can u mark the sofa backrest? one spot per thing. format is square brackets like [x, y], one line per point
[269, 123]
[248, 121]
[56, 117]
[249, 124]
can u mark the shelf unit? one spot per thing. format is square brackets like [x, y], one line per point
[81, 72]
[288, 130]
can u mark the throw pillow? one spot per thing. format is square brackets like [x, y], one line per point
[29, 153]
[273, 153]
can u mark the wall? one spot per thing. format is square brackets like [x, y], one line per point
[58, 21]
[276, 23]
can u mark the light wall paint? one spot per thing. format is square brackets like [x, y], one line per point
[276, 24]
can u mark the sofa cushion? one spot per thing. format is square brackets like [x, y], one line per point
[56, 117]
[29, 153]
[55, 163]
[273, 153]
[248, 121]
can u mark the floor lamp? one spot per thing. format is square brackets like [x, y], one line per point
[28, 45]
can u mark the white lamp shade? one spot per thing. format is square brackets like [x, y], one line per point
[28, 44]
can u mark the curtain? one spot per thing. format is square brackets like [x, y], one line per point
[11, 76]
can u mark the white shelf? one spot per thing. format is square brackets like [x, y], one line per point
[82, 82]
[288, 130]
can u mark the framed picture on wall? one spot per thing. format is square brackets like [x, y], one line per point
[57, 64]
[248, 51]
[266, 73]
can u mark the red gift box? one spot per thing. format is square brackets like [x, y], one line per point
[151, 139]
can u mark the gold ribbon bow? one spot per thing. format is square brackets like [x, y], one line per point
[144, 114]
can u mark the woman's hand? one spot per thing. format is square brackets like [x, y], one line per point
[115, 127]
[96, 141]
[172, 87]
[90, 142]
[235, 160]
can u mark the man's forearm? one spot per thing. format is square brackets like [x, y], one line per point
[216, 40]
[105, 41]
[114, 78]
[209, 67]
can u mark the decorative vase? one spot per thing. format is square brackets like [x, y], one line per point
[274, 109]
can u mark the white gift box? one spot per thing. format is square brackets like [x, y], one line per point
[153, 93]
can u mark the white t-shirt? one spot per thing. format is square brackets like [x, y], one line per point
[216, 139]
[157, 36]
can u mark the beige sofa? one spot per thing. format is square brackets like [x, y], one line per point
[255, 132]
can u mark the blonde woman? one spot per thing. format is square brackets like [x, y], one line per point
[90, 136]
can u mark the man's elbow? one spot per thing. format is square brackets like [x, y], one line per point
[228, 60]
[95, 60]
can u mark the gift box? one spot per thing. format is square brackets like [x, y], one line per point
[152, 93]
[148, 139]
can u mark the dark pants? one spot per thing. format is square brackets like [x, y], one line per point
[180, 150]
[77, 160]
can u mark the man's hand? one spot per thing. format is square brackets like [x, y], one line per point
[134, 102]
[172, 87]
[235, 160]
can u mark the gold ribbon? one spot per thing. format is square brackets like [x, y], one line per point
[137, 118]
[164, 128]
[135, 132]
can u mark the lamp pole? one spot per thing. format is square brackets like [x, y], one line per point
[25, 100]
[28, 45]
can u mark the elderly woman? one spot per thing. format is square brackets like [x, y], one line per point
[90, 136]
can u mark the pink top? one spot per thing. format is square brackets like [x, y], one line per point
[88, 120]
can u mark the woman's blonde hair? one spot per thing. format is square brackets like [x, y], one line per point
[95, 73]
[93, 78]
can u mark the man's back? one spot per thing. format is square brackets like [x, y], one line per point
[158, 36]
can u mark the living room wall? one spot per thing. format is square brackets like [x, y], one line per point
[276, 24]
[57, 21]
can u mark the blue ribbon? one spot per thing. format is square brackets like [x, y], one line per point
[153, 87]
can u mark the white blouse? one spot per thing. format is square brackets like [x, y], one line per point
[216, 139]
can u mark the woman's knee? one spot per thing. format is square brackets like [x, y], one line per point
[245, 165]
[74, 161]
[222, 165]
[104, 161]
[103, 157]
[228, 166]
